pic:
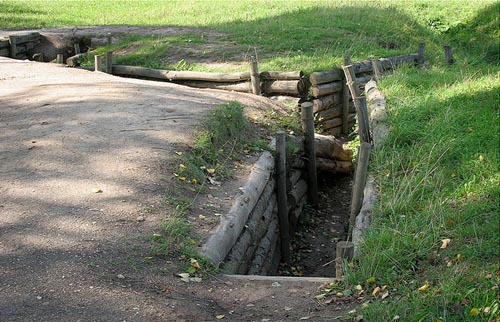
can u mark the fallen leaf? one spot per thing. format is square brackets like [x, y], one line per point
[371, 280]
[474, 311]
[195, 264]
[202, 217]
[97, 190]
[487, 310]
[445, 242]
[459, 256]
[359, 287]
[182, 166]
[183, 275]
[384, 295]
[320, 296]
[424, 287]
[375, 291]
[481, 158]
[220, 317]
[211, 172]
[178, 153]
[182, 178]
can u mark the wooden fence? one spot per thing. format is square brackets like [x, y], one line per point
[19, 46]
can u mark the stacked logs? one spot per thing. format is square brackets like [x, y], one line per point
[19, 46]
[329, 94]
[271, 83]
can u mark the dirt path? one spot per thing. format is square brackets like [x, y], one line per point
[82, 156]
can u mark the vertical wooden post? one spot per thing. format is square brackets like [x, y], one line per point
[421, 57]
[60, 59]
[449, 55]
[109, 62]
[359, 183]
[254, 75]
[344, 251]
[282, 197]
[364, 133]
[108, 39]
[345, 99]
[98, 63]
[377, 73]
[307, 116]
[13, 46]
[77, 49]
[38, 57]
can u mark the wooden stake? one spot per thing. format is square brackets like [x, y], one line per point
[282, 198]
[345, 250]
[449, 55]
[361, 112]
[363, 120]
[108, 39]
[345, 99]
[98, 63]
[421, 57]
[109, 62]
[254, 75]
[60, 59]
[359, 183]
[77, 49]
[377, 73]
[13, 46]
[310, 151]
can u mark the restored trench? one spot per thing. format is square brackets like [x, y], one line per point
[315, 234]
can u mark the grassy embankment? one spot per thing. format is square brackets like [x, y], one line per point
[438, 171]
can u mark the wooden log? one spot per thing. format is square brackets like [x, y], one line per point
[75, 60]
[293, 87]
[263, 249]
[346, 96]
[254, 75]
[328, 124]
[244, 87]
[329, 76]
[326, 89]
[363, 79]
[359, 183]
[329, 113]
[13, 46]
[25, 38]
[236, 257]
[292, 179]
[4, 42]
[294, 215]
[263, 224]
[5, 52]
[60, 59]
[377, 113]
[345, 250]
[325, 102]
[140, 72]
[307, 119]
[109, 62]
[227, 232]
[393, 62]
[362, 67]
[377, 69]
[281, 195]
[98, 63]
[270, 266]
[335, 131]
[448, 55]
[207, 76]
[296, 194]
[273, 75]
[329, 147]
[334, 166]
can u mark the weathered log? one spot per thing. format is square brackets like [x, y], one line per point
[294, 75]
[4, 42]
[307, 121]
[297, 193]
[335, 131]
[292, 179]
[265, 245]
[377, 113]
[328, 124]
[5, 52]
[293, 87]
[325, 89]
[260, 232]
[362, 67]
[25, 38]
[325, 102]
[329, 113]
[75, 60]
[207, 76]
[392, 62]
[227, 232]
[329, 147]
[329, 76]
[244, 87]
[237, 254]
[254, 75]
[270, 266]
[363, 79]
[140, 71]
[335, 166]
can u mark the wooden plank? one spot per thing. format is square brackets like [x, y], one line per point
[326, 76]
[326, 89]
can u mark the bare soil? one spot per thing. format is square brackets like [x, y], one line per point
[84, 157]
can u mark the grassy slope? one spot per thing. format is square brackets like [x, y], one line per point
[438, 173]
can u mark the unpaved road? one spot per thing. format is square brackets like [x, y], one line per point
[82, 156]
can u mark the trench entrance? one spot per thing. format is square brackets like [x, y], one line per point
[314, 243]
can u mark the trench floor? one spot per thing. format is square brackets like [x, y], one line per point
[314, 243]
